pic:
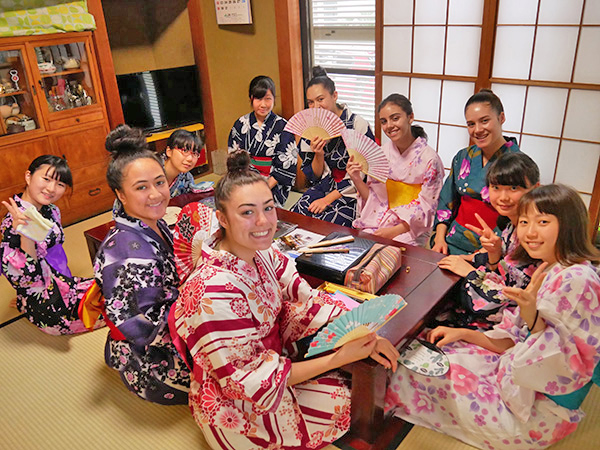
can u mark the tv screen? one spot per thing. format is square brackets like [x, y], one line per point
[161, 99]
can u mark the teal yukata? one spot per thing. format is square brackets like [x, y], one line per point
[466, 179]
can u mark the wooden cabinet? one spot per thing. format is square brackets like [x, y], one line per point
[51, 102]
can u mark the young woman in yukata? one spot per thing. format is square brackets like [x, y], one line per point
[331, 195]
[404, 207]
[180, 156]
[482, 300]
[273, 152]
[520, 385]
[134, 267]
[47, 293]
[239, 317]
[465, 193]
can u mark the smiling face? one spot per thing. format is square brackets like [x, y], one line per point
[42, 188]
[505, 199]
[318, 96]
[485, 126]
[144, 191]
[181, 159]
[263, 106]
[538, 233]
[395, 123]
[249, 219]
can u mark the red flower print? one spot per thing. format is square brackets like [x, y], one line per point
[422, 403]
[464, 380]
[562, 430]
[229, 418]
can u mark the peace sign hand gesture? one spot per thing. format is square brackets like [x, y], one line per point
[527, 298]
[490, 241]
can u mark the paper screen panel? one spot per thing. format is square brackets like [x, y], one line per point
[544, 111]
[465, 12]
[513, 100]
[587, 67]
[554, 53]
[451, 140]
[425, 98]
[582, 174]
[591, 15]
[517, 11]
[462, 51]
[544, 151]
[454, 96]
[583, 115]
[391, 85]
[561, 12]
[430, 12]
[429, 50]
[512, 55]
[397, 45]
[397, 12]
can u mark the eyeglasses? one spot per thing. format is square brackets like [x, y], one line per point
[187, 152]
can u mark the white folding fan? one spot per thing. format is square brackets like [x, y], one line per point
[312, 122]
[370, 156]
[362, 320]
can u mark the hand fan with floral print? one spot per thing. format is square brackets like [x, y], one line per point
[368, 154]
[313, 122]
[192, 228]
[362, 320]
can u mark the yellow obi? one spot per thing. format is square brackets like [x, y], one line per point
[400, 193]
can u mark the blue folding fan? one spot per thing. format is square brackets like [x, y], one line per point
[362, 320]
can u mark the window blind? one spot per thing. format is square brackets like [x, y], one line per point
[347, 13]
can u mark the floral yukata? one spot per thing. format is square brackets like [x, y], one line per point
[134, 268]
[513, 400]
[184, 184]
[419, 175]
[343, 210]
[273, 152]
[47, 293]
[240, 325]
[464, 193]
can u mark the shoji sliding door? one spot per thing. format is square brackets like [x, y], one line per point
[540, 56]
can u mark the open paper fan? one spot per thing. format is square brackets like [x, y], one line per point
[192, 228]
[368, 154]
[312, 122]
[362, 320]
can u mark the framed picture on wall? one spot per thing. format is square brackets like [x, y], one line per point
[233, 12]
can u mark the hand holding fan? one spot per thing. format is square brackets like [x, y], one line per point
[362, 320]
[315, 122]
[366, 152]
[192, 228]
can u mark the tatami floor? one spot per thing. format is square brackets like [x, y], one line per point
[57, 393]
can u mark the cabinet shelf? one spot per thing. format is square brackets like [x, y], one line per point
[8, 94]
[62, 74]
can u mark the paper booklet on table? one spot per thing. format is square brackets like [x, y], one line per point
[333, 266]
[295, 239]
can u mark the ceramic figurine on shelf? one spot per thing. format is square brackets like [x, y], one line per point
[9, 107]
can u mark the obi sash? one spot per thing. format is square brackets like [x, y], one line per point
[575, 398]
[338, 174]
[262, 164]
[469, 206]
[400, 193]
[91, 307]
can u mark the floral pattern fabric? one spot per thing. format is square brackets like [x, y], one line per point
[466, 178]
[135, 269]
[343, 210]
[241, 325]
[47, 293]
[501, 401]
[184, 184]
[419, 164]
[271, 141]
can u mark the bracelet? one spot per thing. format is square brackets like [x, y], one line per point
[537, 313]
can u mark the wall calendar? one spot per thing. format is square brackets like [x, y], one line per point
[233, 12]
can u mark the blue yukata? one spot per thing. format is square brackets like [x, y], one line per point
[136, 271]
[464, 193]
[273, 152]
[184, 184]
[334, 177]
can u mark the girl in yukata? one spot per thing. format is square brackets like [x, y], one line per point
[404, 207]
[331, 195]
[47, 293]
[239, 317]
[465, 193]
[180, 156]
[273, 152]
[482, 300]
[134, 267]
[521, 384]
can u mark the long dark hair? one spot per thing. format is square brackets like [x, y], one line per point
[125, 145]
[58, 170]
[573, 245]
[404, 103]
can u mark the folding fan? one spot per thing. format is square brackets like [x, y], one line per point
[362, 320]
[313, 122]
[368, 154]
[192, 228]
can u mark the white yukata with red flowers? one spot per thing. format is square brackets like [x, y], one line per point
[500, 401]
[418, 164]
[240, 325]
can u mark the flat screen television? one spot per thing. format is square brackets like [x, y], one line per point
[161, 99]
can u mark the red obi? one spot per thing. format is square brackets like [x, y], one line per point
[262, 164]
[338, 174]
[469, 206]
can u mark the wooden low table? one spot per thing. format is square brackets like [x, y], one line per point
[424, 287]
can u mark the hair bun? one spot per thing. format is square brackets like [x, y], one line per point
[125, 140]
[238, 162]
[318, 71]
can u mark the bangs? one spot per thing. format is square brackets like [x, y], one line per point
[507, 178]
[61, 173]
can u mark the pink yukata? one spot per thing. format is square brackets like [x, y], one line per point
[238, 327]
[513, 400]
[418, 165]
